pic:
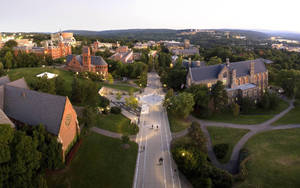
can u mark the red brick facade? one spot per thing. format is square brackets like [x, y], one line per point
[55, 52]
[87, 64]
[69, 127]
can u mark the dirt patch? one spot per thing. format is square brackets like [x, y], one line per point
[287, 161]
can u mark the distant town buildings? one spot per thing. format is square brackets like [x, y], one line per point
[54, 52]
[279, 39]
[182, 49]
[123, 54]
[145, 45]
[241, 79]
[87, 62]
[19, 105]
[63, 37]
[285, 47]
[101, 46]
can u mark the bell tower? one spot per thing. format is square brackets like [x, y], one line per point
[86, 58]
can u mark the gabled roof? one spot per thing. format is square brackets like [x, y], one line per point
[5, 120]
[4, 80]
[21, 83]
[242, 69]
[34, 108]
[95, 60]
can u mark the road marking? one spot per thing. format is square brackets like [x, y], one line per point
[161, 143]
[170, 136]
[139, 153]
[168, 148]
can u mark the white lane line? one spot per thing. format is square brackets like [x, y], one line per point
[139, 152]
[162, 150]
[170, 136]
[168, 148]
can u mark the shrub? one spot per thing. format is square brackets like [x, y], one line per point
[247, 105]
[243, 171]
[197, 135]
[125, 139]
[235, 109]
[115, 110]
[221, 150]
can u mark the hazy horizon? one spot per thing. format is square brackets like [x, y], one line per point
[100, 15]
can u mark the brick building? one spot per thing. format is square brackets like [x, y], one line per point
[87, 62]
[123, 54]
[24, 106]
[55, 52]
[241, 79]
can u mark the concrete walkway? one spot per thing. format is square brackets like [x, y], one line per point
[111, 134]
[232, 165]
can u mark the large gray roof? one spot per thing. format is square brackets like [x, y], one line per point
[242, 69]
[95, 60]
[4, 80]
[34, 108]
[21, 83]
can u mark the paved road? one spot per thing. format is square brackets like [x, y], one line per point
[148, 173]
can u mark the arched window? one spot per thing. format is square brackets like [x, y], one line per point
[225, 75]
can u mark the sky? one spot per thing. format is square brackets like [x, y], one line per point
[53, 15]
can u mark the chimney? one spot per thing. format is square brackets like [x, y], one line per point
[252, 68]
[233, 78]
[227, 62]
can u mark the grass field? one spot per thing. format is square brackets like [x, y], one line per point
[292, 117]
[258, 117]
[275, 160]
[177, 124]
[230, 136]
[30, 73]
[116, 123]
[100, 162]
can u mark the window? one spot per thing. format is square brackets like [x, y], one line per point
[224, 81]
[225, 75]
[209, 85]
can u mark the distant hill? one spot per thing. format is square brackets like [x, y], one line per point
[131, 34]
[283, 34]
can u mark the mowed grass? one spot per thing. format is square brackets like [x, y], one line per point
[30, 73]
[230, 136]
[274, 160]
[100, 162]
[116, 123]
[292, 117]
[258, 116]
[178, 124]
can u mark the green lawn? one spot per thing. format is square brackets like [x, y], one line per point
[30, 73]
[257, 117]
[292, 117]
[116, 123]
[177, 124]
[275, 160]
[230, 136]
[100, 162]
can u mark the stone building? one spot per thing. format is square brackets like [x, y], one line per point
[21, 105]
[241, 79]
[87, 62]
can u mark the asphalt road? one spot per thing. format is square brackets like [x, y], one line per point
[154, 143]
